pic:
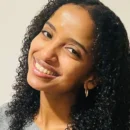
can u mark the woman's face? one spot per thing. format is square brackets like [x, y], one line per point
[60, 55]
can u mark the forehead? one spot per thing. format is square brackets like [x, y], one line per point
[74, 15]
[75, 21]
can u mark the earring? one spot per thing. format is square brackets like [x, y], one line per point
[86, 92]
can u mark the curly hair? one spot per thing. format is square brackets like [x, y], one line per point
[108, 105]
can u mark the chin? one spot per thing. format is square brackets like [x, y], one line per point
[37, 83]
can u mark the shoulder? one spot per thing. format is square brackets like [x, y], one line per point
[4, 120]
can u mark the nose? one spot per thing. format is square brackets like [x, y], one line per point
[49, 53]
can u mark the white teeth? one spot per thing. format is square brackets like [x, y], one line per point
[47, 72]
[43, 70]
[50, 73]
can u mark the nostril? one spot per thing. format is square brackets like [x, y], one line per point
[51, 60]
[54, 58]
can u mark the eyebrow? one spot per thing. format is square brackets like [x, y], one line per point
[79, 44]
[51, 26]
[76, 42]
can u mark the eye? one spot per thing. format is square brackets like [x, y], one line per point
[46, 34]
[73, 51]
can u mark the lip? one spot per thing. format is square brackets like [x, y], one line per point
[45, 65]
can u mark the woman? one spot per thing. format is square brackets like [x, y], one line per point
[74, 71]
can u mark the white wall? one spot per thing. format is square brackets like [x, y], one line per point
[15, 16]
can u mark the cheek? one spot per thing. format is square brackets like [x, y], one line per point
[75, 71]
[36, 44]
[72, 68]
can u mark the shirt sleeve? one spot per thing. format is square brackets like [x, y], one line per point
[4, 120]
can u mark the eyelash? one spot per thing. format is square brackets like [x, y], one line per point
[74, 52]
[49, 35]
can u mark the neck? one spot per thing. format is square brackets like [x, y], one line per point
[54, 110]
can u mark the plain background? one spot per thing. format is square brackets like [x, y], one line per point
[15, 16]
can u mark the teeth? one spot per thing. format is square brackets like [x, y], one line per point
[51, 73]
[48, 72]
[43, 70]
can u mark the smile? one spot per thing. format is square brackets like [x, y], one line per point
[43, 70]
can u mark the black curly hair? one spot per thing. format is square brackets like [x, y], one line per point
[108, 105]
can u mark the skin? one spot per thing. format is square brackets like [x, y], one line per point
[53, 46]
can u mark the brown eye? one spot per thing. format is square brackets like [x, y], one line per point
[46, 34]
[73, 51]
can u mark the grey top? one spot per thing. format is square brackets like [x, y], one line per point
[4, 120]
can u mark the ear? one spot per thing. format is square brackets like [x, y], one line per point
[90, 82]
